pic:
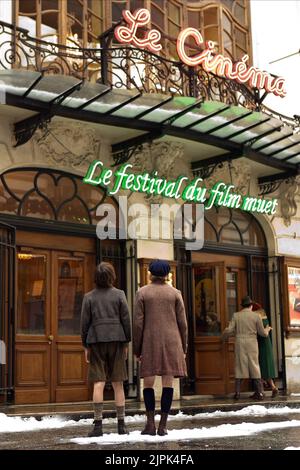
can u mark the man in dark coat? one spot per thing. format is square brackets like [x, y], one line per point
[159, 341]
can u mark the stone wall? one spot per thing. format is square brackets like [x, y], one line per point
[286, 225]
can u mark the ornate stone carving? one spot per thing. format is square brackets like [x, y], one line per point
[288, 203]
[71, 145]
[165, 158]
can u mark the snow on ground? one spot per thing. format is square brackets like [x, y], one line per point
[292, 448]
[18, 424]
[224, 430]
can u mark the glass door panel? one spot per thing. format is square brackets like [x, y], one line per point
[207, 300]
[70, 294]
[31, 306]
[231, 293]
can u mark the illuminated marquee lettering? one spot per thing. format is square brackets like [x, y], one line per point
[220, 194]
[207, 59]
[135, 20]
[224, 66]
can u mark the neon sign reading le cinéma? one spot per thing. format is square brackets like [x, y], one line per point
[210, 62]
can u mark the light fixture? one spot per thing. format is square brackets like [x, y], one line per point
[24, 256]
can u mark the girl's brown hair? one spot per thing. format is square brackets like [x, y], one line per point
[105, 275]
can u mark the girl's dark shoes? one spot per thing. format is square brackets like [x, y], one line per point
[97, 430]
[162, 427]
[149, 429]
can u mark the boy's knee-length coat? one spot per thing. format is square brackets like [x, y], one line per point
[160, 330]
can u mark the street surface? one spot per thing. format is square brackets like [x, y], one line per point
[251, 428]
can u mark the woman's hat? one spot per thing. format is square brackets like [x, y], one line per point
[246, 301]
[159, 268]
[256, 306]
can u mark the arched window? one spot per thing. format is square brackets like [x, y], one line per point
[226, 22]
[228, 226]
[51, 195]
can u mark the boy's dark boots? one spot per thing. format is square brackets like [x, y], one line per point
[166, 403]
[97, 430]
[98, 412]
[121, 420]
[121, 427]
[149, 399]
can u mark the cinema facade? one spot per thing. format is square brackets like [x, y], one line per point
[72, 93]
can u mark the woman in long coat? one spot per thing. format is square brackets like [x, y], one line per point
[159, 341]
[266, 359]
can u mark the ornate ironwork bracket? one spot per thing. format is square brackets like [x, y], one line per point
[123, 151]
[205, 168]
[25, 129]
[269, 188]
[124, 155]
[206, 171]
[269, 185]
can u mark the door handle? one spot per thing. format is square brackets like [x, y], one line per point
[50, 337]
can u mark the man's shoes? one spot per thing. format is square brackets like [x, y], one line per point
[258, 396]
[275, 392]
[237, 396]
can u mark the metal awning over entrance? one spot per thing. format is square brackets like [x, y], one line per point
[237, 130]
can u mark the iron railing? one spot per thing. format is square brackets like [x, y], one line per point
[119, 67]
[127, 67]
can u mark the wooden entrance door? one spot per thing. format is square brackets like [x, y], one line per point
[219, 283]
[50, 364]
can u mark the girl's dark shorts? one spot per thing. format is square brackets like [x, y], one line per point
[107, 362]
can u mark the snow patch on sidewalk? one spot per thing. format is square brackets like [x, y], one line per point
[292, 448]
[253, 410]
[19, 424]
[222, 431]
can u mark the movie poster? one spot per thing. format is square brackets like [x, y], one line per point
[294, 295]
